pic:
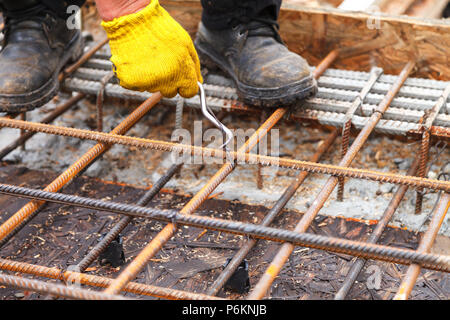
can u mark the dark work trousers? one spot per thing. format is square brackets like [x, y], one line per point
[217, 14]
[224, 14]
[57, 6]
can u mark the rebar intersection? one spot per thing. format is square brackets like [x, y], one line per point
[372, 121]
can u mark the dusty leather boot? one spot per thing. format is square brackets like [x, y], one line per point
[36, 46]
[265, 72]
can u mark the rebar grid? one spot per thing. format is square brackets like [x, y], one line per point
[355, 248]
[27, 212]
[416, 259]
[169, 231]
[283, 254]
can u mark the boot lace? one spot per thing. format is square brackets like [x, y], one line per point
[257, 26]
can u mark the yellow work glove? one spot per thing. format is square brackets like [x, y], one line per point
[152, 52]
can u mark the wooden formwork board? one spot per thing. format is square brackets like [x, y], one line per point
[390, 40]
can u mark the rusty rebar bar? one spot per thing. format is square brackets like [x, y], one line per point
[423, 152]
[271, 215]
[56, 289]
[344, 150]
[425, 245]
[425, 143]
[27, 212]
[49, 118]
[108, 138]
[358, 265]
[23, 117]
[355, 248]
[282, 256]
[259, 177]
[326, 63]
[98, 281]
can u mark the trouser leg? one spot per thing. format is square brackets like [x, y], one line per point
[61, 6]
[14, 5]
[223, 14]
[58, 6]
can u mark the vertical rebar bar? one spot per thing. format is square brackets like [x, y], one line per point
[179, 113]
[101, 98]
[423, 152]
[425, 245]
[425, 143]
[23, 117]
[344, 149]
[259, 177]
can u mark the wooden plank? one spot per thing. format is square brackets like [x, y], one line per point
[394, 40]
[428, 8]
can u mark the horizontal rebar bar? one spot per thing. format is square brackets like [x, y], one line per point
[360, 249]
[101, 282]
[337, 89]
[109, 138]
[348, 79]
[56, 289]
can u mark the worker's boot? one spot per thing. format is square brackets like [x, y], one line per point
[37, 44]
[266, 73]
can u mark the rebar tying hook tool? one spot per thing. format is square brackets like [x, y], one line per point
[207, 112]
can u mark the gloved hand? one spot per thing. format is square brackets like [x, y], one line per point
[152, 52]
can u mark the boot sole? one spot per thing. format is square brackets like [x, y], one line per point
[16, 103]
[261, 97]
